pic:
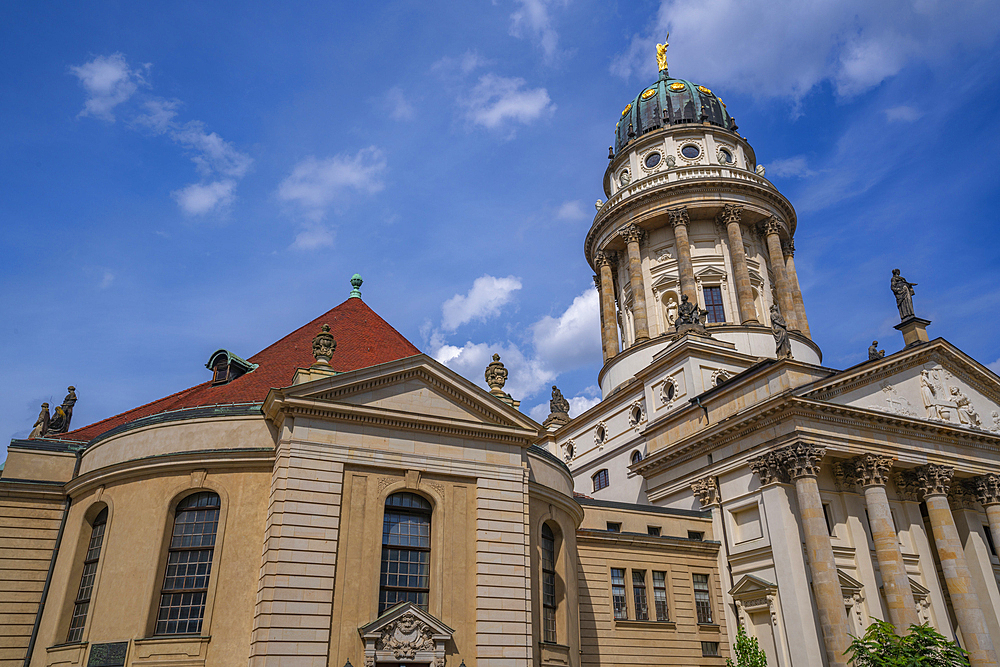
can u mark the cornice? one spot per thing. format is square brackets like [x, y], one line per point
[561, 500]
[664, 542]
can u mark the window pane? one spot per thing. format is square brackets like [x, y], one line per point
[406, 538]
[639, 592]
[713, 304]
[702, 599]
[618, 593]
[189, 565]
[660, 595]
[85, 592]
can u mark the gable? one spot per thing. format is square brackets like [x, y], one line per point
[417, 394]
[945, 388]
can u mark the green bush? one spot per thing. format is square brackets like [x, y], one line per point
[748, 652]
[921, 647]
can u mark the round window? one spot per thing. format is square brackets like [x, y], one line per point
[601, 434]
[652, 160]
[725, 157]
[636, 414]
[690, 151]
[624, 178]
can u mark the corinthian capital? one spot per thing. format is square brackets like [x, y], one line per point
[604, 258]
[933, 480]
[706, 490]
[769, 468]
[772, 225]
[788, 247]
[678, 216]
[632, 233]
[731, 213]
[987, 489]
[597, 282]
[802, 460]
[872, 470]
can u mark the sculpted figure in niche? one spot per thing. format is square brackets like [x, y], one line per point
[966, 413]
[904, 294]
[671, 311]
[782, 344]
[42, 424]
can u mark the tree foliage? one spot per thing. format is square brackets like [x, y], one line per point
[748, 652]
[923, 646]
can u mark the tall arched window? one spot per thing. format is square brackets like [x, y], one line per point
[548, 584]
[406, 551]
[189, 565]
[82, 605]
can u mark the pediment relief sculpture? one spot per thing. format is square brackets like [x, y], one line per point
[406, 636]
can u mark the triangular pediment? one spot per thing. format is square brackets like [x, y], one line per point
[750, 586]
[405, 612]
[711, 272]
[415, 389]
[848, 584]
[934, 382]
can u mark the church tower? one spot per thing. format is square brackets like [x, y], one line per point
[690, 215]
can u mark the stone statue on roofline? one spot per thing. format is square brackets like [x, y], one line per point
[873, 351]
[782, 344]
[42, 424]
[59, 422]
[689, 318]
[558, 409]
[903, 291]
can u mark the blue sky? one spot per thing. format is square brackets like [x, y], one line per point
[180, 177]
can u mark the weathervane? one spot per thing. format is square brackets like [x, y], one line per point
[661, 53]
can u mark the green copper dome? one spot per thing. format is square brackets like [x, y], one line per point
[670, 102]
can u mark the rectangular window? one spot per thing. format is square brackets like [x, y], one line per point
[710, 649]
[696, 535]
[189, 565]
[639, 593]
[702, 598]
[548, 583]
[660, 595]
[82, 605]
[614, 527]
[618, 593]
[713, 304]
[653, 530]
[830, 523]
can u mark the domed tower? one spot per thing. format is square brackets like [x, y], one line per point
[690, 214]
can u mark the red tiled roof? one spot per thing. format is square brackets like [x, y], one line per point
[363, 339]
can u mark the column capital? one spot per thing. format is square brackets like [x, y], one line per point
[987, 489]
[802, 460]
[706, 490]
[929, 480]
[731, 213]
[769, 468]
[772, 225]
[788, 247]
[962, 494]
[604, 257]
[597, 282]
[871, 469]
[678, 216]
[632, 233]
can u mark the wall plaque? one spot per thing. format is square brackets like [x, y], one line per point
[111, 654]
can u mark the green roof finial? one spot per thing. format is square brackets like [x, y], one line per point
[356, 284]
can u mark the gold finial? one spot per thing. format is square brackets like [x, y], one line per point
[661, 53]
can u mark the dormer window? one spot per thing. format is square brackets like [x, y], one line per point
[226, 367]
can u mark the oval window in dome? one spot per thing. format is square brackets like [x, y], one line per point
[690, 151]
[649, 92]
[677, 86]
[705, 90]
[652, 160]
[725, 157]
[627, 109]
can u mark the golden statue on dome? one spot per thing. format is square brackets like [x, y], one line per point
[661, 53]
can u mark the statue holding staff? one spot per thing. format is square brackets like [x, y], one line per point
[903, 291]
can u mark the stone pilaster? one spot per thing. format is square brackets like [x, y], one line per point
[609, 336]
[785, 301]
[730, 217]
[871, 473]
[802, 463]
[679, 220]
[988, 493]
[788, 248]
[933, 482]
[633, 235]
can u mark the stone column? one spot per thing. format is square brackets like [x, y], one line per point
[800, 462]
[788, 248]
[988, 495]
[632, 234]
[679, 220]
[730, 216]
[785, 302]
[609, 334]
[933, 481]
[872, 472]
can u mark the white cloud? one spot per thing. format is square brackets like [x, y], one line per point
[107, 279]
[532, 19]
[314, 236]
[485, 299]
[399, 106]
[109, 81]
[314, 183]
[995, 366]
[854, 44]
[526, 376]
[790, 167]
[572, 211]
[201, 198]
[496, 100]
[577, 405]
[572, 339]
[159, 116]
[903, 113]
[464, 64]
[212, 154]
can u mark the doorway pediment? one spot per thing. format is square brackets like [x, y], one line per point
[405, 633]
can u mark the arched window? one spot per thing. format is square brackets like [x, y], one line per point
[86, 590]
[548, 584]
[600, 479]
[636, 457]
[406, 551]
[189, 565]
